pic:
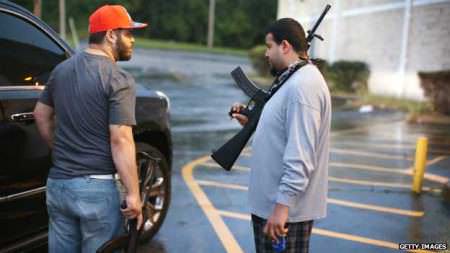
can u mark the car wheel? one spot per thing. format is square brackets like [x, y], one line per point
[158, 188]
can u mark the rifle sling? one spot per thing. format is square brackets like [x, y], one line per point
[274, 90]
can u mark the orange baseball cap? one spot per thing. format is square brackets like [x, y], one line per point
[112, 17]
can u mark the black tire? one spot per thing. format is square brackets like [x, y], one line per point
[163, 172]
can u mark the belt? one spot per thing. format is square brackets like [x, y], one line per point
[106, 176]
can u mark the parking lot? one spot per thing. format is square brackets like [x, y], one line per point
[371, 208]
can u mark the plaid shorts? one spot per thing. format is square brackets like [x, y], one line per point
[297, 239]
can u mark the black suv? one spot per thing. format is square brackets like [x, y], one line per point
[29, 50]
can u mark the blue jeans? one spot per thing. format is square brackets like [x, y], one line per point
[83, 214]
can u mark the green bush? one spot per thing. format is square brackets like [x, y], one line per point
[345, 76]
[436, 86]
[348, 76]
[259, 61]
[322, 65]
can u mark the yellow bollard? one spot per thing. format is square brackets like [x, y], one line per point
[420, 164]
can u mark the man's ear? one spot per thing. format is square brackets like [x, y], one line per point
[285, 46]
[111, 36]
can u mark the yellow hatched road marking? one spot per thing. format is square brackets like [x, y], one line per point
[377, 184]
[247, 153]
[235, 167]
[328, 233]
[376, 208]
[394, 146]
[429, 176]
[330, 200]
[222, 185]
[369, 154]
[369, 167]
[405, 139]
[438, 137]
[226, 237]
[346, 131]
[406, 172]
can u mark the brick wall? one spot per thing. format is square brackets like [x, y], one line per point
[373, 31]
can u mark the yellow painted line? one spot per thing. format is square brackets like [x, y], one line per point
[378, 184]
[335, 164]
[226, 237]
[328, 233]
[369, 154]
[393, 146]
[376, 208]
[379, 145]
[346, 131]
[407, 172]
[357, 153]
[368, 183]
[241, 216]
[430, 176]
[369, 168]
[405, 138]
[235, 167]
[330, 200]
[222, 185]
[393, 135]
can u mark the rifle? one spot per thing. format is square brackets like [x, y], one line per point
[228, 153]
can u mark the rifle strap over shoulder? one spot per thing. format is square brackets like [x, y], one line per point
[282, 78]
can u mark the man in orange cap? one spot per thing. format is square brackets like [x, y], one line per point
[86, 114]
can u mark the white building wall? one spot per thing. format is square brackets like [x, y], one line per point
[381, 33]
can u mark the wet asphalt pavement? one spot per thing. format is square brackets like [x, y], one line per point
[370, 206]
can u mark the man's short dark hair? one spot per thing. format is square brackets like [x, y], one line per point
[290, 30]
[97, 38]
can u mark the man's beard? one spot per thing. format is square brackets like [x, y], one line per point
[273, 71]
[122, 51]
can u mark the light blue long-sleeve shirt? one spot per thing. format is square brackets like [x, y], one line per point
[290, 149]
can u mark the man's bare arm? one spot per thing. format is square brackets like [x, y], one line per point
[45, 120]
[124, 155]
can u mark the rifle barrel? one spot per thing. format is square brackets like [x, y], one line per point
[316, 25]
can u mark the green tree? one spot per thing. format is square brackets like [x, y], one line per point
[239, 23]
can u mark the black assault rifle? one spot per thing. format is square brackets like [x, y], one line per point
[227, 154]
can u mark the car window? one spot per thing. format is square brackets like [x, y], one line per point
[27, 54]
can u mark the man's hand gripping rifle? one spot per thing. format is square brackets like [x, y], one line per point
[228, 153]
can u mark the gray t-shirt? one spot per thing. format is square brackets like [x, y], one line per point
[88, 93]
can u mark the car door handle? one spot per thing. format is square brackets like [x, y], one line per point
[26, 116]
